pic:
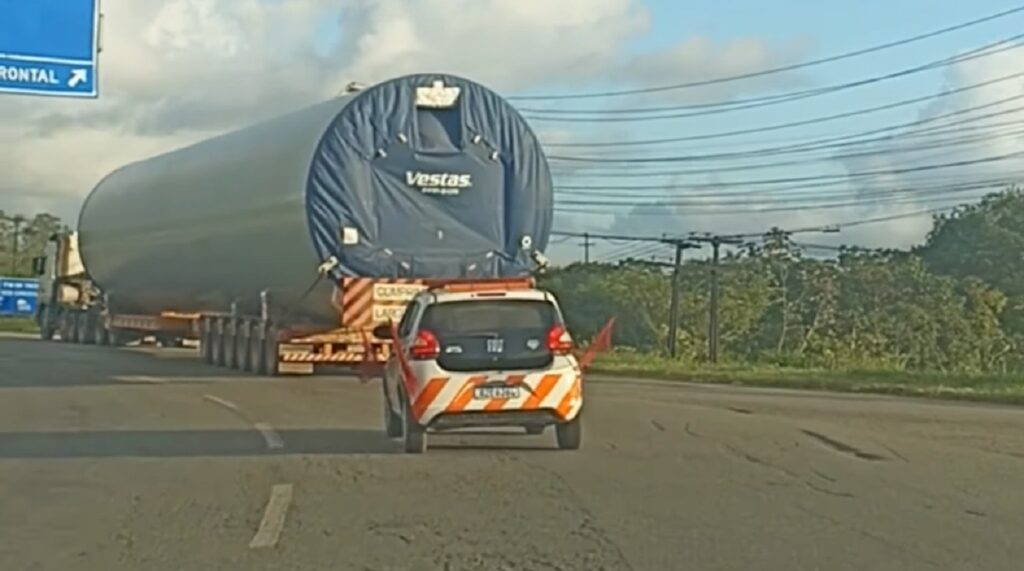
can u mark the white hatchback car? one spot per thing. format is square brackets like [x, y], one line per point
[482, 354]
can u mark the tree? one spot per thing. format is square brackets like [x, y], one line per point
[23, 238]
[983, 240]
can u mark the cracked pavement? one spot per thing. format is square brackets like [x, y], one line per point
[117, 459]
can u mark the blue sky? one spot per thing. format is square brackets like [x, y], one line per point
[815, 29]
[160, 47]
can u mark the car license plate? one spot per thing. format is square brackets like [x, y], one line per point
[496, 392]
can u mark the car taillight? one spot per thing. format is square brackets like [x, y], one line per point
[426, 346]
[559, 340]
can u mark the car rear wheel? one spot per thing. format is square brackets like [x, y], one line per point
[415, 435]
[392, 421]
[570, 434]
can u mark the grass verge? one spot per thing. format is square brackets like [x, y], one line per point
[17, 325]
[1000, 388]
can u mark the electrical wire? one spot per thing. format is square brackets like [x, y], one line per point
[811, 190]
[659, 208]
[802, 230]
[699, 110]
[798, 179]
[955, 143]
[791, 124]
[752, 202]
[632, 250]
[779, 69]
[818, 144]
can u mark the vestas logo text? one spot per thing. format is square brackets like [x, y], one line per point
[439, 183]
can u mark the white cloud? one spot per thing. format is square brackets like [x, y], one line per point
[176, 71]
[954, 133]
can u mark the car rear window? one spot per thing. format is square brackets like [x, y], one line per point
[485, 316]
[504, 334]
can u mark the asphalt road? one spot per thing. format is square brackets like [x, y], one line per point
[138, 459]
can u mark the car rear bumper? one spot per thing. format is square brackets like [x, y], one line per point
[544, 397]
[495, 419]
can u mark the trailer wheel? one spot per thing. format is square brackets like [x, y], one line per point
[244, 346]
[230, 334]
[270, 366]
[46, 325]
[101, 333]
[257, 346]
[86, 329]
[217, 342]
[205, 352]
[71, 321]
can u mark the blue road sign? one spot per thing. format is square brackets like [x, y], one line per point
[49, 47]
[18, 297]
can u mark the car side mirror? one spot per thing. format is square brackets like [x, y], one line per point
[382, 331]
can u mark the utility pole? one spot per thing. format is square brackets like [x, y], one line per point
[587, 243]
[716, 244]
[673, 327]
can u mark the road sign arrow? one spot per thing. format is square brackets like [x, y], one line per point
[78, 76]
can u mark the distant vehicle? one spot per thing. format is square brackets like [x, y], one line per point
[482, 354]
[279, 247]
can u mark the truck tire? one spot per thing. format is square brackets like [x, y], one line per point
[569, 435]
[101, 333]
[414, 435]
[271, 364]
[231, 343]
[46, 324]
[71, 321]
[86, 329]
[244, 346]
[217, 342]
[257, 345]
[205, 351]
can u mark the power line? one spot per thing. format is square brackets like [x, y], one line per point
[819, 144]
[937, 144]
[835, 142]
[789, 193]
[624, 251]
[798, 179]
[778, 69]
[659, 209]
[699, 110]
[791, 124]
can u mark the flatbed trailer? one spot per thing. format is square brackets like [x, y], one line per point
[258, 344]
[270, 343]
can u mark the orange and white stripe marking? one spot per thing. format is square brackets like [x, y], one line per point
[347, 357]
[559, 391]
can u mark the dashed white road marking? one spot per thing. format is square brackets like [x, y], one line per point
[273, 517]
[270, 436]
[140, 379]
[225, 403]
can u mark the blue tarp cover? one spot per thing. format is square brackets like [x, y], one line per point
[429, 176]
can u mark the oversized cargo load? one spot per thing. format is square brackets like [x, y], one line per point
[424, 176]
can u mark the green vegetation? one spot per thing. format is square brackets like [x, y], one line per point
[17, 325]
[946, 317]
[992, 387]
[32, 235]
